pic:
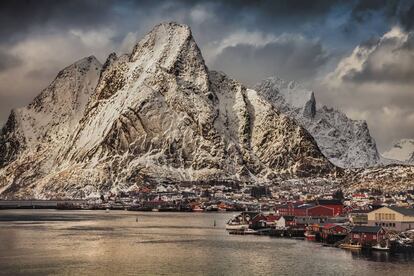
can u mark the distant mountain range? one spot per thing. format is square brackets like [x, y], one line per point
[345, 142]
[402, 150]
[158, 114]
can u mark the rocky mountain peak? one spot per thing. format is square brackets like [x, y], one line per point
[289, 92]
[53, 113]
[156, 115]
[346, 142]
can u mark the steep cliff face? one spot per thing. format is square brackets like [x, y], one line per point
[345, 142]
[32, 136]
[156, 114]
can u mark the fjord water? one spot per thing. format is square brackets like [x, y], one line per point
[49, 242]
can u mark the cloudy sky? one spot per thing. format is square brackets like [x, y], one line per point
[356, 55]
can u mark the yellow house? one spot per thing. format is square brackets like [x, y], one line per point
[392, 218]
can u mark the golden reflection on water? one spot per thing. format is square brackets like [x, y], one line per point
[130, 243]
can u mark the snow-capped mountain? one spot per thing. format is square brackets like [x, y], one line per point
[402, 150]
[53, 114]
[345, 142]
[155, 114]
[32, 136]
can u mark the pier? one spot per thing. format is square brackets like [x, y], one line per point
[41, 204]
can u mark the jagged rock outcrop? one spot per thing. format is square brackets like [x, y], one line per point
[156, 114]
[345, 142]
[411, 160]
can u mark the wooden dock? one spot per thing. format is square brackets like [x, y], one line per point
[39, 204]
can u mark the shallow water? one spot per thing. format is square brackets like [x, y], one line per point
[44, 242]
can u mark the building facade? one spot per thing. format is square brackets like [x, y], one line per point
[392, 218]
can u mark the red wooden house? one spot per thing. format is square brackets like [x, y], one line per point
[320, 211]
[262, 221]
[293, 209]
[332, 232]
[367, 235]
[319, 208]
[335, 204]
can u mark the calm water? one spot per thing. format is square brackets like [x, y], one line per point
[42, 242]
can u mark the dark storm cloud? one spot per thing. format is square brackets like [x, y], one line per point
[375, 15]
[407, 18]
[17, 18]
[8, 60]
[390, 61]
[291, 58]
[366, 8]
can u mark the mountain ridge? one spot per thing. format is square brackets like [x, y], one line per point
[345, 142]
[157, 115]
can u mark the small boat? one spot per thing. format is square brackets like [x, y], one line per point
[381, 247]
[310, 235]
[155, 210]
[249, 231]
[212, 208]
[198, 209]
[236, 226]
[350, 246]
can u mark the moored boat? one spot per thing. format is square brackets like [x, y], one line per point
[236, 226]
[198, 209]
[311, 236]
[350, 246]
[381, 246]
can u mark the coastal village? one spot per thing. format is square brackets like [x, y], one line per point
[363, 219]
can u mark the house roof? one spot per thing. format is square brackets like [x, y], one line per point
[320, 206]
[329, 202]
[271, 218]
[366, 229]
[403, 211]
[330, 225]
[359, 211]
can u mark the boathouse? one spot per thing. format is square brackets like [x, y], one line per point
[367, 235]
[332, 232]
[262, 221]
